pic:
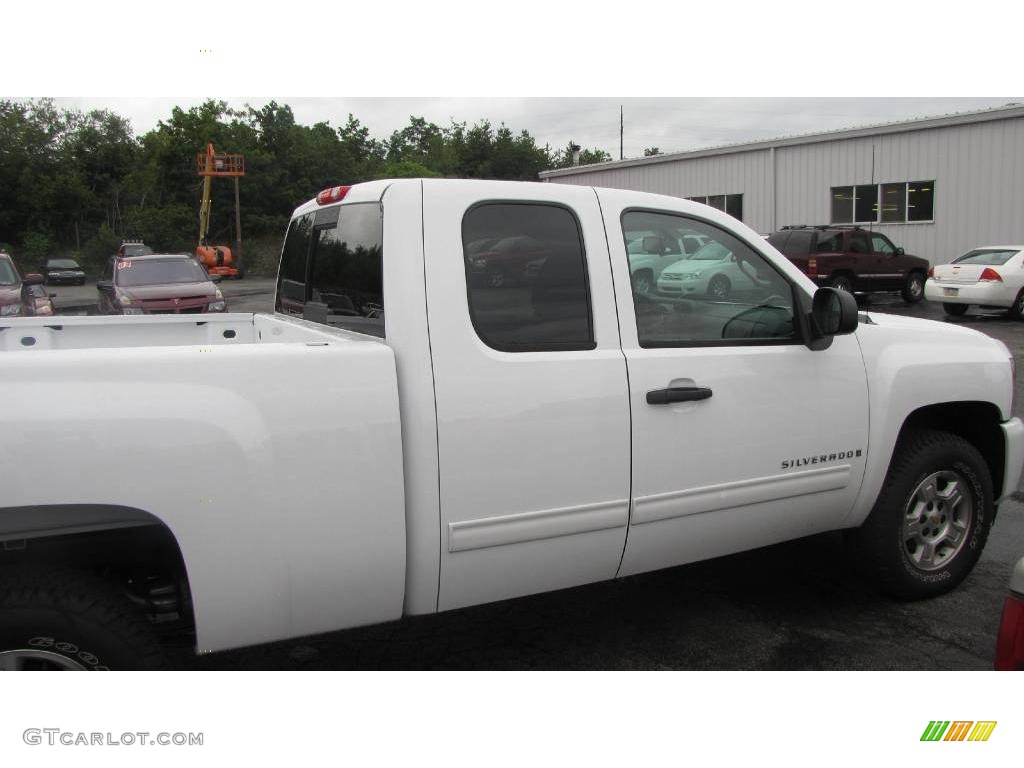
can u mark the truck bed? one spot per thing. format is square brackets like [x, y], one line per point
[66, 333]
[271, 450]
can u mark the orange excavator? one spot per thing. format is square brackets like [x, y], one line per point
[218, 259]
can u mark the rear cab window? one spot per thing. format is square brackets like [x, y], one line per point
[526, 277]
[332, 268]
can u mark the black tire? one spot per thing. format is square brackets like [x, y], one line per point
[643, 282]
[72, 620]
[913, 288]
[719, 287]
[881, 545]
[841, 283]
[955, 310]
[1017, 310]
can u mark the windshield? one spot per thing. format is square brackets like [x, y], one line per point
[7, 274]
[62, 264]
[159, 271]
[711, 252]
[994, 258]
[137, 250]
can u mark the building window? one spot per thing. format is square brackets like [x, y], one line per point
[920, 201]
[892, 203]
[730, 204]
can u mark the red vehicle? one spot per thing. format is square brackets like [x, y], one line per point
[20, 296]
[853, 259]
[160, 284]
[1010, 646]
[508, 261]
[36, 302]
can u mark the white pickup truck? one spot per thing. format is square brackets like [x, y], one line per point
[460, 399]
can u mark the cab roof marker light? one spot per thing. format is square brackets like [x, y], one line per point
[332, 195]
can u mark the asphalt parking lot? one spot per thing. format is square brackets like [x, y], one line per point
[794, 606]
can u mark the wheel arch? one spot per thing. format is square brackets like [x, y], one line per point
[976, 422]
[109, 540]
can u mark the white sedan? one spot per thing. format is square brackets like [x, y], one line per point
[991, 277]
[713, 270]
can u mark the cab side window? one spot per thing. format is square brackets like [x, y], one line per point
[526, 277]
[723, 293]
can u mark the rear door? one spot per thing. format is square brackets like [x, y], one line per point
[864, 262]
[741, 435]
[531, 391]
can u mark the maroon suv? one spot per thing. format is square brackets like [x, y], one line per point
[164, 284]
[852, 259]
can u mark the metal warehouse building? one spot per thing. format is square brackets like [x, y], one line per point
[937, 186]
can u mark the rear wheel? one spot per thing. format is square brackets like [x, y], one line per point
[71, 620]
[1017, 309]
[954, 309]
[913, 289]
[841, 283]
[932, 517]
[642, 282]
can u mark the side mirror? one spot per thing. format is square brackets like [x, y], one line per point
[900, 251]
[32, 278]
[833, 313]
[104, 285]
[215, 278]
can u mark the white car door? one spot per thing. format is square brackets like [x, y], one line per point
[531, 391]
[741, 435]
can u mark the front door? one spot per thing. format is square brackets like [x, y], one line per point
[531, 391]
[741, 435]
[888, 266]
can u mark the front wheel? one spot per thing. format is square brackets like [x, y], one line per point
[913, 289]
[932, 517]
[955, 310]
[70, 620]
[719, 287]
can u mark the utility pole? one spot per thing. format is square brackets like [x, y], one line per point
[621, 156]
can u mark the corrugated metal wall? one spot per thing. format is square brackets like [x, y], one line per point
[978, 171]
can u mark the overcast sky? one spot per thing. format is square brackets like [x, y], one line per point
[672, 124]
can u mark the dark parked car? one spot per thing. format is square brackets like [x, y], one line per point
[852, 259]
[162, 284]
[63, 270]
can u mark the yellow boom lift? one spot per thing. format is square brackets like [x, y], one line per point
[218, 259]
